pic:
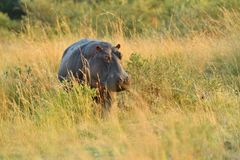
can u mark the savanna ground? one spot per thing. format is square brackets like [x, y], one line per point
[184, 100]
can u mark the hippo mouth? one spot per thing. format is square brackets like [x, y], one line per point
[117, 88]
[122, 87]
[111, 87]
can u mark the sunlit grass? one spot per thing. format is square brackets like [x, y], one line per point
[183, 104]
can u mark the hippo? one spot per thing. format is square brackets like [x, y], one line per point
[97, 64]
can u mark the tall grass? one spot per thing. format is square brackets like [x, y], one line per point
[183, 104]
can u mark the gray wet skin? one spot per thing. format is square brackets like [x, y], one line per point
[91, 61]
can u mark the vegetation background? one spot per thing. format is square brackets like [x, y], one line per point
[184, 60]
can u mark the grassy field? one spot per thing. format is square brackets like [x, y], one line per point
[184, 100]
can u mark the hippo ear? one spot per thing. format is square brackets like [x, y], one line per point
[98, 48]
[118, 46]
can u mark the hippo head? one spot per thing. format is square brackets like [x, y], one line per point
[106, 67]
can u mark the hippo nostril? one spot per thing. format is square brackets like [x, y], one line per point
[127, 80]
[120, 80]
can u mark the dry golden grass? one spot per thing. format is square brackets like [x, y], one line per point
[174, 110]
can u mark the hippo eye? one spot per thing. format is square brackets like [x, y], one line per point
[119, 55]
[107, 58]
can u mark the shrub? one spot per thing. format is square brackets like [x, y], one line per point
[13, 8]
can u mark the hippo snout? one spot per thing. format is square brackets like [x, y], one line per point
[123, 80]
[123, 83]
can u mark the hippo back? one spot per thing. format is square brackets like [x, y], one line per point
[74, 56]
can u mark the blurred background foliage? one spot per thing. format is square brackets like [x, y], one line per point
[178, 17]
